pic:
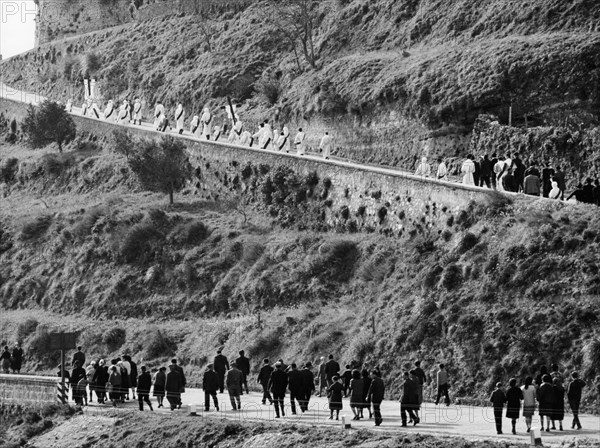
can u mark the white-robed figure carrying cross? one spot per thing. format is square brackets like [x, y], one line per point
[109, 110]
[123, 116]
[179, 117]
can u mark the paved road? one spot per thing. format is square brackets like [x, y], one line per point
[471, 422]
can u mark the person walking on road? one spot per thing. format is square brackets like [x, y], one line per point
[295, 386]
[114, 385]
[442, 385]
[356, 394]
[514, 395]
[375, 396]
[422, 380]
[210, 385]
[5, 357]
[558, 408]
[335, 393]
[78, 356]
[574, 396]
[308, 385]
[17, 358]
[322, 376]
[498, 399]
[409, 401]
[366, 404]
[233, 381]
[221, 365]
[243, 363]
[332, 368]
[264, 376]
[144, 383]
[545, 397]
[173, 387]
[529, 394]
[160, 381]
[277, 385]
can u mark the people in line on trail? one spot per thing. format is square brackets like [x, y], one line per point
[545, 398]
[442, 170]
[264, 376]
[210, 385]
[84, 108]
[5, 357]
[243, 364]
[221, 365]
[518, 170]
[335, 393]
[233, 381]
[485, 171]
[295, 384]
[514, 396]
[246, 139]
[467, 170]
[498, 398]
[137, 111]
[235, 136]
[532, 184]
[421, 380]
[133, 375]
[540, 376]
[267, 136]
[16, 359]
[558, 406]
[276, 136]
[179, 117]
[113, 385]
[529, 397]
[555, 192]
[109, 110]
[409, 401]
[579, 194]
[477, 171]
[159, 110]
[560, 178]
[332, 368]
[366, 403]
[144, 384]
[94, 110]
[499, 169]
[79, 356]
[159, 381]
[326, 145]
[574, 392]
[173, 387]
[299, 142]
[509, 182]
[277, 386]
[376, 395]
[442, 385]
[206, 121]
[125, 376]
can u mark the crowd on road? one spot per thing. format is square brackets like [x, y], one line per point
[510, 173]
[11, 360]
[363, 387]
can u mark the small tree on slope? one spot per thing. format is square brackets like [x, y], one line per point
[50, 123]
[161, 166]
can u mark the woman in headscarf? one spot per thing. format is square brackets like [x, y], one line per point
[468, 169]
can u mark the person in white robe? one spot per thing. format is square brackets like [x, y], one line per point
[246, 139]
[276, 136]
[158, 110]
[95, 110]
[217, 133]
[84, 108]
[442, 170]
[179, 117]
[299, 142]
[555, 192]
[468, 169]
[267, 137]
[123, 116]
[163, 122]
[109, 110]
[69, 106]
[325, 145]
[423, 168]
[206, 120]
[499, 169]
[284, 143]
[195, 126]
[237, 131]
[137, 111]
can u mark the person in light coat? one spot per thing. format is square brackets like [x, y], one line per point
[137, 111]
[179, 117]
[216, 133]
[423, 168]
[258, 136]
[235, 136]
[325, 145]
[246, 139]
[109, 110]
[206, 121]
[276, 136]
[95, 111]
[158, 110]
[84, 108]
[284, 143]
[267, 137]
[299, 142]
[195, 126]
[123, 115]
[442, 170]
[468, 169]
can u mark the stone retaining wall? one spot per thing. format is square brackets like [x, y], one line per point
[27, 389]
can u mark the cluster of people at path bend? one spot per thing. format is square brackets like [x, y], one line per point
[12, 360]
[365, 389]
[203, 126]
[510, 173]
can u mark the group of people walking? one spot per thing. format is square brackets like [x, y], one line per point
[11, 360]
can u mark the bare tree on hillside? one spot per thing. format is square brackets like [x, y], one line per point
[297, 20]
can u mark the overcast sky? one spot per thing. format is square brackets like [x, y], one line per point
[17, 26]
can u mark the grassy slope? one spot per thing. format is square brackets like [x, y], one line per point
[494, 293]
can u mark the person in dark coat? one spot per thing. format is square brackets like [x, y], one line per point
[519, 169]
[574, 396]
[233, 381]
[547, 175]
[514, 395]
[78, 356]
[597, 192]
[485, 171]
[308, 385]
[296, 387]
[277, 385]
[539, 378]
[264, 376]
[356, 394]
[17, 358]
[100, 379]
[409, 401]
[493, 162]
[579, 194]
[144, 383]
[332, 368]
[160, 381]
[498, 399]
[509, 182]
[375, 396]
[560, 179]
[5, 359]
[545, 397]
[347, 377]
[77, 374]
[243, 364]
[183, 379]
[335, 393]
[210, 385]
[133, 375]
[114, 383]
[221, 365]
[420, 374]
[558, 407]
[366, 404]
[173, 387]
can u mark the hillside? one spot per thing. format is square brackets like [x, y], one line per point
[391, 79]
[488, 291]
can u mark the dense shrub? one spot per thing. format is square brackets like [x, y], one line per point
[138, 242]
[8, 169]
[114, 338]
[158, 345]
[336, 260]
[26, 328]
[36, 227]
[191, 233]
[84, 227]
[452, 276]
[468, 241]
[122, 142]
